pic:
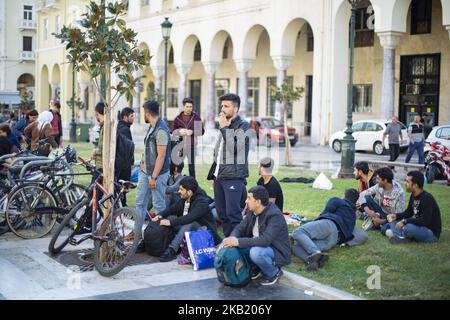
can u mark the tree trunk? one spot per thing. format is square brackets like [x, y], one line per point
[109, 137]
[288, 160]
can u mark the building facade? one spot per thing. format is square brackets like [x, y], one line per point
[402, 57]
[17, 58]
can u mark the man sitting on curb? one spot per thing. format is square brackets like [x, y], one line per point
[386, 197]
[334, 226]
[422, 219]
[263, 236]
[190, 213]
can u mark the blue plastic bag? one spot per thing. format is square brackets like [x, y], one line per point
[135, 174]
[201, 248]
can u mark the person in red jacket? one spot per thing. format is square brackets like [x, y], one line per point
[187, 126]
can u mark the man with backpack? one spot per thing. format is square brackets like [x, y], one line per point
[190, 213]
[263, 237]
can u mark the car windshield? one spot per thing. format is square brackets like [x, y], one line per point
[272, 123]
[401, 125]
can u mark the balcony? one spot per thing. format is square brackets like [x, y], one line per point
[47, 5]
[26, 56]
[27, 25]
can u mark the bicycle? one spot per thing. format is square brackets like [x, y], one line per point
[116, 231]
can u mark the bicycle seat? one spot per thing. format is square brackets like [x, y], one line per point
[128, 184]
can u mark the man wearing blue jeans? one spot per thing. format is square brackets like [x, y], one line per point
[155, 163]
[422, 219]
[263, 237]
[334, 226]
[417, 138]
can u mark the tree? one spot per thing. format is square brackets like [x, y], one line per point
[100, 45]
[286, 95]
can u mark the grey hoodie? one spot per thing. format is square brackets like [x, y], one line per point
[392, 201]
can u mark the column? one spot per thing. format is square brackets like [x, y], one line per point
[243, 66]
[85, 99]
[158, 72]
[281, 63]
[211, 69]
[389, 41]
[183, 71]
[137, 99]
[448, 29]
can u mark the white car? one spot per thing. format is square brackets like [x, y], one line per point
[441, 134]
[368, 135]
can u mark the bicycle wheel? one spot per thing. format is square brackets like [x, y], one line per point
[74, 221]
[30, 211]
[113, 254]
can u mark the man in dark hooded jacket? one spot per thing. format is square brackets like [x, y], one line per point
[334, 226]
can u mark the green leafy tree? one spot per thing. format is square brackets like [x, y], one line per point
[102, 44]
[286, 95]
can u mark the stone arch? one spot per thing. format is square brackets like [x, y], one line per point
[44, 92]
[186, 56]
[216, 48]
[160, 53]
[56, 74]
[246, 48]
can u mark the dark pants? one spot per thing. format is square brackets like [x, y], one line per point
[123, 174]
[375, 207]
[227, 197]
[394, 151]
[58, 139]
[189, 151]
[412, 148]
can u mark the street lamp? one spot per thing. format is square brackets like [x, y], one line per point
[166, 27]
[73, 124]
[348, 143]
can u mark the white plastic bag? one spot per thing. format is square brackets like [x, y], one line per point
[322, 182]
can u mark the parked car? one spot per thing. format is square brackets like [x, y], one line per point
[270, 130]
[368, 135]
[440, 134]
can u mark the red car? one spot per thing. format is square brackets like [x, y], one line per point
[271, 130]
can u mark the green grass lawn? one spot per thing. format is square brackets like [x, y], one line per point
[410, 271]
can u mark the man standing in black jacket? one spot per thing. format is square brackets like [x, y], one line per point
[422, 219]
[263, 237]
[190, 213]
[230, 168]
[125, 147]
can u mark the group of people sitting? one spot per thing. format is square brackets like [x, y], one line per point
[263, 234]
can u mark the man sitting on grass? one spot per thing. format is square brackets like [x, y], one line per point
[422, 219]
[334, 226]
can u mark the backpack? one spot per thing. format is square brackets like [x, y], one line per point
[232, 267]
[157, 238]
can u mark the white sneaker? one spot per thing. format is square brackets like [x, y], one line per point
[389, 233]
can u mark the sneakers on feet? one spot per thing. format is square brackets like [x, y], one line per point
[168, 255]
[141, 247]
[273, 280]
[256, 273]
[313, 266]
[389, 233]
[398, 240]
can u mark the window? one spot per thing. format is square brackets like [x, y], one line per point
[252, 96]
[362, 98]
[310, 39]
[222, 87]
[58, 23]
[421, 16]
[198, 52]
[27, 44]
[27, 12]
[226, 47]
[444, 133]
[358, 126]
[373, 127]
[46, 29]
[365, 22]
[171, 55]
[172, 97]
[270, 101]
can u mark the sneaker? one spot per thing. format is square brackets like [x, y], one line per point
[256, 273]
[272, 281]
[398, 240]
[389, 233]
[323, 260]
[313, 266]
[168, 255]
[141, 247]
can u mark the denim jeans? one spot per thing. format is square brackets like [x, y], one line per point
[263, 258]
[375, 207]
[145, 194]
[412, 148]
[180, 230]
[413, 232]
[313, 237]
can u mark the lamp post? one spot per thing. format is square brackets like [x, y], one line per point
[348, 143]
[73, 124]
[166, 27]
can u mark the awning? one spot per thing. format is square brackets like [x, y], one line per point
[10, 98]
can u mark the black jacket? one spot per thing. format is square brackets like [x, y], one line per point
[236, 145]
[423, 211]
[124, 147]
[199, 211]
[342, 213]
[273, 232]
